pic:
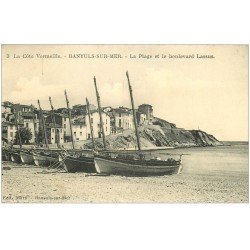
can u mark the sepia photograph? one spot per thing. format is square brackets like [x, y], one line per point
[124, 124]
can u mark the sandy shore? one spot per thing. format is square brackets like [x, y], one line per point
[22, 183]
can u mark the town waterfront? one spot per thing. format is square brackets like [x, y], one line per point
[209, 174]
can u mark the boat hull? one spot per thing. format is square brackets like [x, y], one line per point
[6, 155]
[26, 158]
[78, 164]
[43, 160]
[15, 157]
[109, 166]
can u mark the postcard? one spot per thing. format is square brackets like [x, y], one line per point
[124, 124]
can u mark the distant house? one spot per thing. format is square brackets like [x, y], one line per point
[21, 108]
[8, 131]
[30, 121]
[147, 110]
[95, 120]
[53, 135]
[62, 122]
[80, 109]
[81, 126]
[63, 111]
[141, 118]
[123, 118]
[25, 118]
[6, 109]
[79, 129]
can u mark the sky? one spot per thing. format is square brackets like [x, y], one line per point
[206, 93]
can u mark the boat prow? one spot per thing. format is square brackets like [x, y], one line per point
[44, 160]
[15, 156]
[73, 164]
[26, 157]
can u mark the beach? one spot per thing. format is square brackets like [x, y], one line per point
[209, 175]
[35, 185]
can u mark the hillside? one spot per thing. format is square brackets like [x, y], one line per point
[161, 133]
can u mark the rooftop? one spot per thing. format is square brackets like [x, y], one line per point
[145, 105]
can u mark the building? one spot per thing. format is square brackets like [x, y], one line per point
[80, 109]
[63, 111]
[6, 110]
[141, 118]
[147, 110]
[54, 136]
[81, 127]
[30, 121]
[123, 118]
[25, 118]
[21, 108]
[8, 131]
[95, 120]
[62, 122]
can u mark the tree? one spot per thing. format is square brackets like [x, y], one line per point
[25, 134]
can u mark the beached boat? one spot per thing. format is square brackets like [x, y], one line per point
[136, 167]
[80, 163]
[15, 156]
[27, 157]
[76, 160]
[136, 164]
[45, 159]
[6, 154]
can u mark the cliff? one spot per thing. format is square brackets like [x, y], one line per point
[161, 133]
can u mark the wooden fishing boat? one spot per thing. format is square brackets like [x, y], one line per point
[45, 159]
[27, 157]
[136, 167]
[76, 160]
[6, 154]
[15, 156]
[136, 164]
[81, 163]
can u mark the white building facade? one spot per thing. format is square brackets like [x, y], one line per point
[81, 126]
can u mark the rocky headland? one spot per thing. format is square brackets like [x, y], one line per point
[159, 134]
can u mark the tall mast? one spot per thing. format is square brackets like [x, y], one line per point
[43, 124]
[54, 122]
[100, 114]
[17, 127]
[34, 124]
[70, 124]
[90, 124]
[134, 115]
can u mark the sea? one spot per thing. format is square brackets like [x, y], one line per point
[230, 159]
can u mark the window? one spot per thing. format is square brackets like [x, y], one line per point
[91, 120]
[88, 136]
[64, 125]
[81, 133]
[60, 130]
[11, 126]
[106, 121]
[27, 125]
[80, 126]
[120, 115]
[120, 122]
[52, 130]
[52, 138]
[65, 119]
[106, 129]
[11, 134]
[74, 133]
